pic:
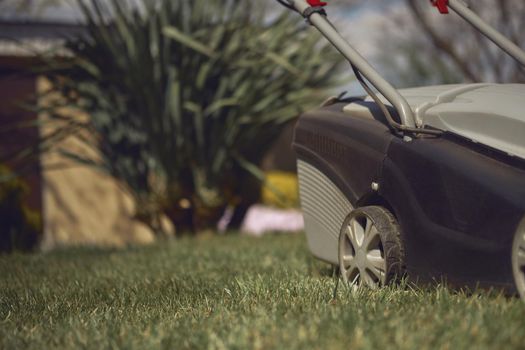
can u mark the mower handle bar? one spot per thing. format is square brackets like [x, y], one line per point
[363, 66]
[496, 37]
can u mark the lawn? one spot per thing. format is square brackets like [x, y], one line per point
[232, 292]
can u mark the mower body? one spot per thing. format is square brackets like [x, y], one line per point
[458, 197]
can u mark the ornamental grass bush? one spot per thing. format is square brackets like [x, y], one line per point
[184, 99]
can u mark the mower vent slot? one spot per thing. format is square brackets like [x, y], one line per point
[324, 206]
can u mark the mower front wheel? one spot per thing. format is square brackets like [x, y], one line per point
[518, 259]
[371, 251]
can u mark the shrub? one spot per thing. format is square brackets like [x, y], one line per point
[20, 227]
[184, 98]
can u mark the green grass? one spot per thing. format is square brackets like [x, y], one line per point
[232, 292]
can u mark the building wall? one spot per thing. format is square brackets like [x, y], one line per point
[16, 133]
[78, 204]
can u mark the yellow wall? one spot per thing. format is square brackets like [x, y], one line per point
[82, 206]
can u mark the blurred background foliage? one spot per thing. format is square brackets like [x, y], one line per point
[184, 98]
[20, 227]
[281, 190]
[423, 47]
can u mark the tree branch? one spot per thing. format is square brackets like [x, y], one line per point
[440, 43]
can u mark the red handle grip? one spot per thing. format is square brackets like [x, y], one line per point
[316, 3]
[442, 5]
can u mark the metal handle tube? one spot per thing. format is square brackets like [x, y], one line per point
[384, 87]
[496, 37]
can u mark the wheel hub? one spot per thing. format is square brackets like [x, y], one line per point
[361, 255]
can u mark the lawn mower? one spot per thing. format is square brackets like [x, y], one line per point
[426, 182]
